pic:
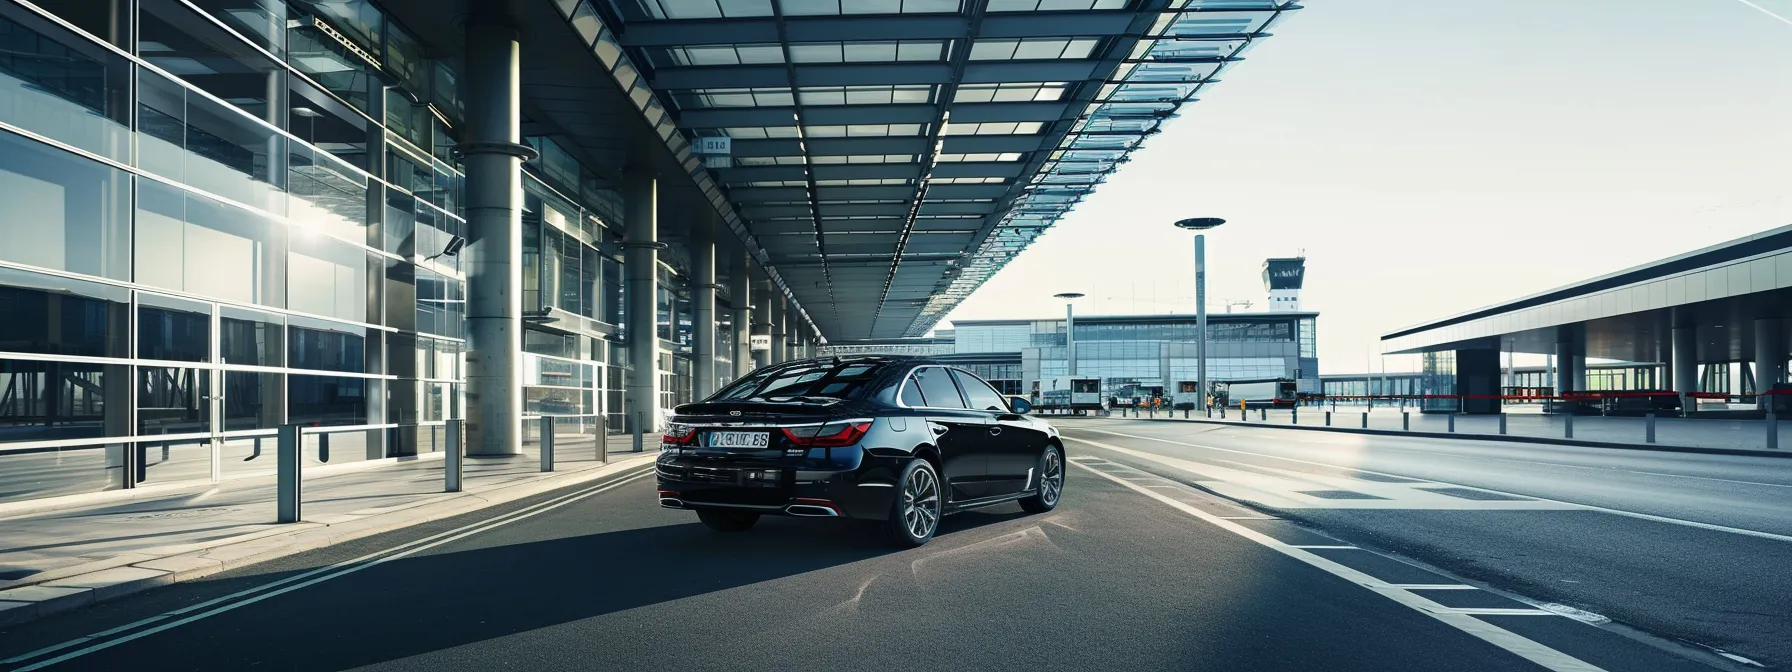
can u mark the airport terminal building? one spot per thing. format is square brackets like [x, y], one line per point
[372, 217]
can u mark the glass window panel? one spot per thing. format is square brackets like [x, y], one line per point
[250, 400]
[401, 294]
[62, 85]
[993, 50]
[250, 337]
[190, 243]
[937, 387]
[1039, 48]
[64, 211]
[332, 65]
[326, 346]
[404, 57]
[49, 315]
[809, 7]
[327, 195]
[173, 329]
[825, 52]
[173, 400]
[327, 277]
[911, 50]
[261, 21]
[441, 304]
[326, 124]
[870, 6]
[191, 46]
[327, 400]
[869, 51]
[104, 19]
[195, 140]
[63, 400]
[358, 19]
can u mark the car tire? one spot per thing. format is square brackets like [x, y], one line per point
[728, 521]
[916, 509]
[1051, 482]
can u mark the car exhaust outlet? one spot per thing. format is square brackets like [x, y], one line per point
[672, 502]
[811, 510]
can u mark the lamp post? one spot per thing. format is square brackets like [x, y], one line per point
[1198, 224]
[1070, 326]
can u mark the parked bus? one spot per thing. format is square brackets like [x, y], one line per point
[1186, 398]
[1268, 393]
[1069, 394]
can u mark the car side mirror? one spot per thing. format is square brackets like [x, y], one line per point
[1020, 406]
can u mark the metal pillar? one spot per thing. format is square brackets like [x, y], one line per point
[741, 296]
[774, 304]
[452, 463]
[288, 491]
[1770, 358]
[1201, 320]
[640, 195]
[1070, 335]
[1686, 365]
[547, 443]
[494, 155]
[703, 306]
[1648, 428]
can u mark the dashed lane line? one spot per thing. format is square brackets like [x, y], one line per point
[1462, 619]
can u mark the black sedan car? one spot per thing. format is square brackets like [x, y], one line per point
[902, 441]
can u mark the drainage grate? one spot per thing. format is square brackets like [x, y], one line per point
[1338, 494]
[1477, 495]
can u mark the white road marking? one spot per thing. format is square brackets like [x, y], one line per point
[1494, 611]
[1590, 507]
[344, 568]
[1505, 639]
[1433, 586]
[1324, 547]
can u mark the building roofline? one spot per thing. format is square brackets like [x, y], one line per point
[1747, 246]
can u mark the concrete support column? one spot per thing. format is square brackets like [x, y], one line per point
[640, 197]
[1770, 355]
[739, 289]
[703, 307]
[493, 156]
[1571, 369]
[1686, 360]
[775, 317]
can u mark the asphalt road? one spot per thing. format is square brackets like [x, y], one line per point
[1133, 571]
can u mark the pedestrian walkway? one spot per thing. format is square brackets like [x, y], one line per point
[120, 535]
[1713, 433]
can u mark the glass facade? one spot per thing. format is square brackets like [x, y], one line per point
[199, 259]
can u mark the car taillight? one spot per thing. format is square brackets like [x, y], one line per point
[679, 435]
[830, 435]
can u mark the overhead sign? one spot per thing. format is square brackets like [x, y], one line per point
[760, 341]
[716, 152]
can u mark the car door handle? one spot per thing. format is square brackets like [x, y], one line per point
[995, 430]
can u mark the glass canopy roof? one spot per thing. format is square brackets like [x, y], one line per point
[889, 156]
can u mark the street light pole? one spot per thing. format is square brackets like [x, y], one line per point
[1201, 224]
[1070, 327]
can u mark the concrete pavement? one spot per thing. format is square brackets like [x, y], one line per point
[1137, 569]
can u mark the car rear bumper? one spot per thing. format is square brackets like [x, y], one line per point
[863, 491]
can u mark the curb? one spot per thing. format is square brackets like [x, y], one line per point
[1509, 438]
[143, 570]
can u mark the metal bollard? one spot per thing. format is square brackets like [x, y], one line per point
[1328, 418]
[1568, 426]
[1222, 412]
[1773, 428]
[1405, 420]
[453, 462]
[1365, 419]
[1185, 414]
[1452, 423]
[637, 431]
[1502, 424]
[287, 464]
[603, 438]
[547, 443]
[1263, 414]
[1648, 428]
[1294, 416]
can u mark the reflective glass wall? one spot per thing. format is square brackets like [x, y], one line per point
[235, 221]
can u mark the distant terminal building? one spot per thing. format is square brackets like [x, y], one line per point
[1133, 355]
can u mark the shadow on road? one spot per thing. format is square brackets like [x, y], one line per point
[448, 599]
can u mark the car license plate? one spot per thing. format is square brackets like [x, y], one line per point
[740, 439]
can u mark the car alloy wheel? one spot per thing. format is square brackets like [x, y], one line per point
[921, 503]
[1051, 478]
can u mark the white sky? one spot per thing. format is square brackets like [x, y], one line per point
[1436, 156]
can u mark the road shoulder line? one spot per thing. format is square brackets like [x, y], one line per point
[1523, 647]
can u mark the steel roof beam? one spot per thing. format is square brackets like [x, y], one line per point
[691, 32]
[991, 144]
[808, 74]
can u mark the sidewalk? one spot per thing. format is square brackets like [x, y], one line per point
[1687, 434]
[57, 559]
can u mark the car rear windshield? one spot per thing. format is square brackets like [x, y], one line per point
[825, 380]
